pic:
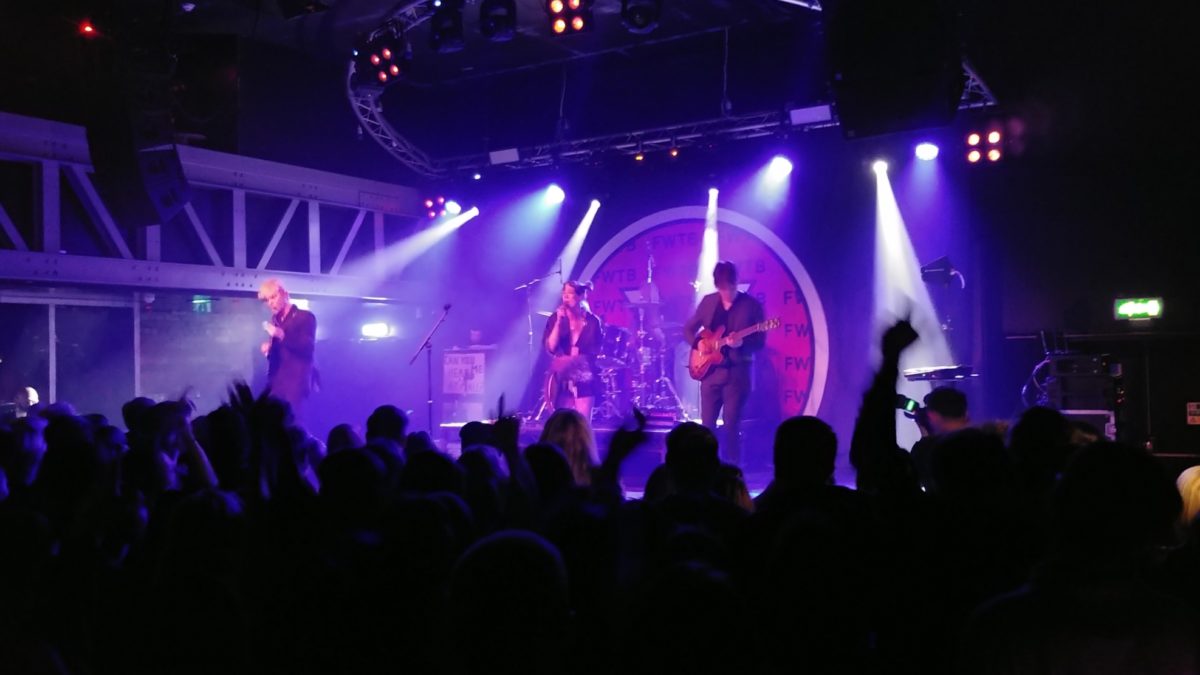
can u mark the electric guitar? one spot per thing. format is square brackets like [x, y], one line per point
[706, 350]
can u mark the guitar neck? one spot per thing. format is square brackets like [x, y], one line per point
[758, 327]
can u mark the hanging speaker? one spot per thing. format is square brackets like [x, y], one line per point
[894, 66]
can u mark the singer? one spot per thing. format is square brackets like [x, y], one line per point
[289, 349]
[573, 336]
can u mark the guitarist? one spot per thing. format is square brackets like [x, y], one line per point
[727, 385]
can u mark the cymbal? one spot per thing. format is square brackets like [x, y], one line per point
[544, 313]
[641, 303]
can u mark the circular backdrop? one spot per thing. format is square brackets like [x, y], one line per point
[792, 368]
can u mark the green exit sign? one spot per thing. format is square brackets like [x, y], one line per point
[1137, 308]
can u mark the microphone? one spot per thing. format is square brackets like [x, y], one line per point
[446, 307]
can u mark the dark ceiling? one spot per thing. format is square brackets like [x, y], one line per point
[1081, 74]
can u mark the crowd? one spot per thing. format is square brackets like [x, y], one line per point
[234, 542]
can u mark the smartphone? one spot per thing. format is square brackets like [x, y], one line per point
[907, 404]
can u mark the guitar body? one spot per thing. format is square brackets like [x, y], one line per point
[706, 350]
[706, 353]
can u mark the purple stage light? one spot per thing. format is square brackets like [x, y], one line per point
[554, 195]
[779, 169]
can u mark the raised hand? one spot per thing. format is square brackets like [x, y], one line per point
[898, 338]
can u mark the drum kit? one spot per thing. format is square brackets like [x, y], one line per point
[635, 368]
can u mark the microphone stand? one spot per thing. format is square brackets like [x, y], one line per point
[427, 347]
[528, 288]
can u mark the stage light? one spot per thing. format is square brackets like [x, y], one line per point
[779, 169]
[926, 151]
[554, 195]
[87, 29]
[640, 16]
[993, 155]
[993, 137]
[376, 331]
[441, 200]
[640, 156]
[381, 59]
[453, 207]
[879, 166]
[595, 204]
[498, 19]
[712, 194]
[477, 176]
[446, 28]
[429, 203]
[432, 214]
[571, 16]
[972, 139]
[973, 156]
[674, 152]
[1133, 309]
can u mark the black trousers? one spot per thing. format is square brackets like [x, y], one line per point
[724, 392]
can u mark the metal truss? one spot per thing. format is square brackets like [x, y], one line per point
[365, 103]
[57, 151]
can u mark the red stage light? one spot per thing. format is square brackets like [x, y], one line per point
[387, 53]
[429, 203]
[972, 138]
[993, 137]
[994, 155]
[86, 29]
[674, 152]
[374, 59]
[382, 76]
[560, 26]
[395, 69]
[973, 156]
[577, 23]
[556, 6]
[573, 4]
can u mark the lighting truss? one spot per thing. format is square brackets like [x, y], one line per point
[365, 102]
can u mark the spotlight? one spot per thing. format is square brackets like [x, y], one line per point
[674, 152]
[498, 19]
[973, 156]
[993, 137]
[429, 203]
[569, 16]
[477, 176]
[376, 331]
[453, 207]
[640, 16]
[380, 59]
[972, 138]
[712, 193]
[446, 27]
[994, 155]
[554, 195]
[595, 204]
[639, 157]
[779, 169]
[926, 151]
[88, 29]
[879, 166]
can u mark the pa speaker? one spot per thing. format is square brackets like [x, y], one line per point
[132, 142]
[894, 66]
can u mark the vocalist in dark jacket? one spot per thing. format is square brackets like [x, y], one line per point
[289, 349]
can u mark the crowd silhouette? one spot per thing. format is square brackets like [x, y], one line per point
[234, 542]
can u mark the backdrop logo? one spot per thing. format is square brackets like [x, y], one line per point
[793, 367]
